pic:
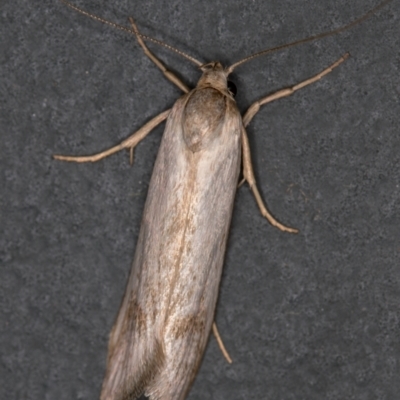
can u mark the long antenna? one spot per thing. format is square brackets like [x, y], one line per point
[310, 39]
[125, 29]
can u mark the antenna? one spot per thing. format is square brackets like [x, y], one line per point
[125, 29]
[310, 39]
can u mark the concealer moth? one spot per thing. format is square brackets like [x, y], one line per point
[167, 312]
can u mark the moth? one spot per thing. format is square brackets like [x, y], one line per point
[167, 312]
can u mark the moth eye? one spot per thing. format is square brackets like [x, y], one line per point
[232, 88]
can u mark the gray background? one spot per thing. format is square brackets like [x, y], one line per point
[308, 316]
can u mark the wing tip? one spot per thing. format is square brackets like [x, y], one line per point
[128, 377]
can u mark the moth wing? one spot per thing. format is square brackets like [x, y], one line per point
[135, 350]
[193, 296]
[165, 318]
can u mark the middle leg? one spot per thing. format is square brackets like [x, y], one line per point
[248, 175]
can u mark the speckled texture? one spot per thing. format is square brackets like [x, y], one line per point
[311, 316]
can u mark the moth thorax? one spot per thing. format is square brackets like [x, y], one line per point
[203, 117]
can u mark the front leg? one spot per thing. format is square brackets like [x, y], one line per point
[248, 173]
[255, 107]
[168, 74]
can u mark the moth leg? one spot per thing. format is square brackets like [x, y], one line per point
[255, 107]
[168, 74]
[128, 143]
[248, 175]
[221, 343]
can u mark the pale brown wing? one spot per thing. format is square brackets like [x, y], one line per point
[214, 170]
[165, 319]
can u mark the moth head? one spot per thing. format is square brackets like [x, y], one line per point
[215, 75]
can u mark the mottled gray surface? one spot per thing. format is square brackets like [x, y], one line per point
[309, 316]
